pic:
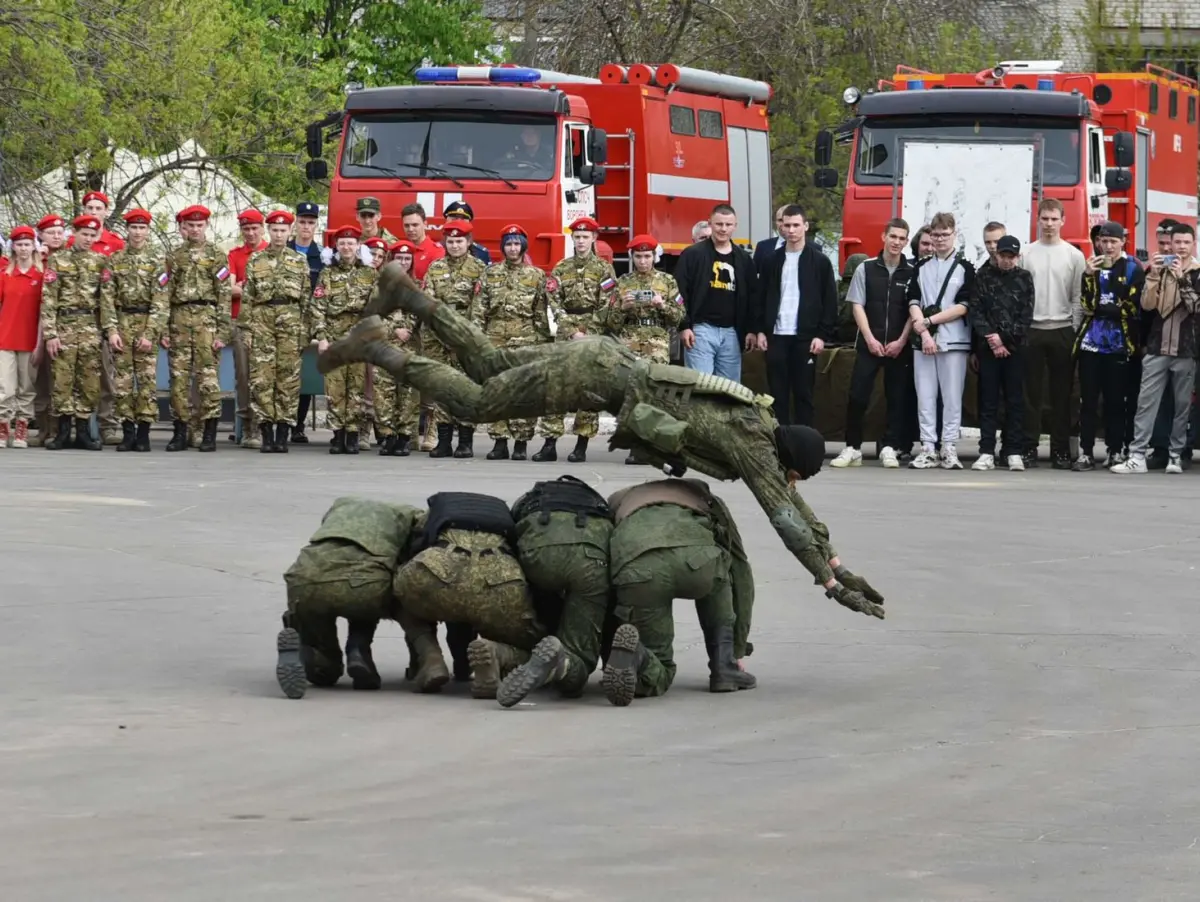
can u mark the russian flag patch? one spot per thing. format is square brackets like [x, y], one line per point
[608, 284]
[222, 273]
[319, 292]
[164, 279]
[679, 299]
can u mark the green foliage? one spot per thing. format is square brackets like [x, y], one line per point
[1113, 33]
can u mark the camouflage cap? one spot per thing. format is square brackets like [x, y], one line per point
[852, 263]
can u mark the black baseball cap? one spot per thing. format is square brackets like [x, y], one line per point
[1111, 229]
[308, 208]
[1009, 244]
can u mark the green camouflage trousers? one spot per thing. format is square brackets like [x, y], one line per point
[435, 350]
[587, 424]
[571, 561]
[332, 579]
[397, 411]
[135, 386]
[191, 353]
[472, 578]
[274, 355]
[344, 389]
[647, 585]
[76, 369]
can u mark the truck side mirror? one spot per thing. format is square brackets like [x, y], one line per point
[316, 170]
[825, 178]
[598, 147]
[591, 174]
[313, 139]
[1123, 149]
[823, 148]
[1116, 180]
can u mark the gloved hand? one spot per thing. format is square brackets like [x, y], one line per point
[857, 584]
[854, 600]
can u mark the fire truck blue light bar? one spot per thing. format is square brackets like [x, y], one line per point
[477, 73]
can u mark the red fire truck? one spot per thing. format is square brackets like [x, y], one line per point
[1120, 146]
[642, 148]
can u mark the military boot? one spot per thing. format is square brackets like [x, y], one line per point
[520, 450]
[548, 663]
[282, 432]
[44, 428]
[387, 446]
[351, 442]
[432, 673]
[579, 455]
[723, 672]
[428, 436]
[352, 348]
[289, 669]
[360, 664]
[338, 444]
[490, 663]
[128, 436]
[549, 452]
[268, 439]
[83, 436]
[400, 448]
[626, 659]
[179, 441]
[499, 450]
[209, 440]
[466, 442]
[142, 438]
[445, 439]
[63, 438]
[249, 440]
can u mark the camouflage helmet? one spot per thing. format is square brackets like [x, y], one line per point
[852, 263]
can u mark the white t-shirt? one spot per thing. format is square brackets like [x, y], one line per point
[1057, 271]
[789, 295]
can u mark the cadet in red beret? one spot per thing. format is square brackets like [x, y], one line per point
[378, 248]
[138, 215]
[282, 217]
[96, 203]
[250, 224]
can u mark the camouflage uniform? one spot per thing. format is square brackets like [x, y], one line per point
[201, 294]
[139, 295]
[77, 312]
[576, 292]
[454, 281]
[644, 329]
[397, 408]
[273, 301]
[338, 300]
[674, 539]
[512, 311]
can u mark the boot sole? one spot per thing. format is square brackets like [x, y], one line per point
[530, 675]
[730, 686]
[363, 677]
[289, 671]
[620, 677]
[485, 669]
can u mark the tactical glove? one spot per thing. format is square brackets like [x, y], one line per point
[857, 584]
[854, 600]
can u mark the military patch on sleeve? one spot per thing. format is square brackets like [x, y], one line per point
[608, 284]
[319, 291]
[679, 299]
[164, 279]
[106, 275]
[552, 284]
[222, 273]
[51, 276]
[478, 287]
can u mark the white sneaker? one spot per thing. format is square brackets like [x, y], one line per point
[888, 458]
[849, 457]
[950, 459]
[926, 460]
[1016, 463]
[985, 462]
[1174, 464]
[1135, 464]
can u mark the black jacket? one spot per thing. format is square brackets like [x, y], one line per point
[1003, 305]
[763, 251]
[817, 317]
[692, 273]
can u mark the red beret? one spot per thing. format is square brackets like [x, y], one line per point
[195, 213]
[404, 247]
[458, 228]
[347, 231]
[250, 217]
[138, 215]
[96, 195]
[584, 224]
[512, 229]
[22, 233]
[642, 243]
[280, 217]
[375, 242]
[50, 221]
[87, 221]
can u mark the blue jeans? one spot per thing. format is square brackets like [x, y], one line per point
[716, 351]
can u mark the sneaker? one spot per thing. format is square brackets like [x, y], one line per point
[926, 460]
[1114, 458]
[1083, 463]
[251, 442]
[985, 462]
[1174, 464]
[3, 435]
[1016, 463]
[20, 437]
[950, 459]
[1060, 461]
[888, 458]
[905, 457]
[1135, 464]
[850, 457]
[1030, 458]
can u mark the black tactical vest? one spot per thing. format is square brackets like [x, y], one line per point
[886, 299]
[468, 510]
[566, 494]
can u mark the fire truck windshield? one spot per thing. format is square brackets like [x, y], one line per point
[451, 144]
[878, 148]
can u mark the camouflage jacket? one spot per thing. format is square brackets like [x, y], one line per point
[382, 530]
[276, 276]
[511, 305]
[200, 278]
[139, 292]
[338, 300]
[455, 281]
[73, 287]
[577, 288]
[644, 315]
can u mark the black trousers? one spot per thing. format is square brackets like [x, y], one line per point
[791, 376]
[1049, 368]
[1001, 377]
[1102, 375]
[897, 382]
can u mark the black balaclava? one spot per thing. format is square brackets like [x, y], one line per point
[801, 448]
